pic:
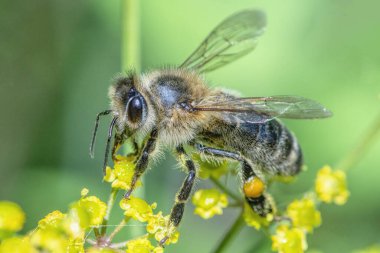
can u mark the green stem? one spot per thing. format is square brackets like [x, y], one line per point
[225, 189]
[96, 232]
[110, 203]
[130, 47]
[234, 230]
[117, 230]
[357, 153]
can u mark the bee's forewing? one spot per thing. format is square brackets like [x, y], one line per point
[233, 38]
[262, 109]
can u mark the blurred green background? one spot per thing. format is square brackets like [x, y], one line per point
[57, 59]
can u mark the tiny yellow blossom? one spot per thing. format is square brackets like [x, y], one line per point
[142, 245]
[85, 213]
[209, 202]
[12, 217]
[212, 168]
[122, 174]
[50, 240]
[84, 192]
[94, 207]
[331, 186]
[110, 175]
[53, 219]
[304, 214]
[137, 208]
[75, 245]
[252, 219]
[289, 240]
[17, 245]
[159, 226]
[101, 250]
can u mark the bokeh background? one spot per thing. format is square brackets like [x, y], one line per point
[57, 59]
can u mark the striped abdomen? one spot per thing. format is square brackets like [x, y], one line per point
[268, 145]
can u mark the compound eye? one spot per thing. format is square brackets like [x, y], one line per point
[135, 110]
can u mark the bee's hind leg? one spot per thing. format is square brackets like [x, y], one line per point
[253, 186]
[183, 193]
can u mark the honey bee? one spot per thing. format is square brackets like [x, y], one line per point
[174, 108]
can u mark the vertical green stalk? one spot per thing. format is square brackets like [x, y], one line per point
[130, 47]
[110, 203]
[130, 59]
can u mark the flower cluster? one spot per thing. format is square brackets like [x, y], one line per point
[209, 202]
[121, 175]
[330, 186]
[57, 232]
[67, 232]
[158, 226]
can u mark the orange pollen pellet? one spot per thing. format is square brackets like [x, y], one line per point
[253, 188]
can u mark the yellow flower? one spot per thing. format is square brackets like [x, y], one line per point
[252, 219]
[331, 186]
[304, 214]
[142, 245]
[52, 234]
[17, 245]
[53, 219]
[95, 208]
[110, 175]
[137, 208]
[84, 192]
[159, 226]
[75, 246]
[209, 202]
[122, 174]
[85, 213]
[211, 168]
[101, 250]
[289, 240]
[12, 217]
[50, 240]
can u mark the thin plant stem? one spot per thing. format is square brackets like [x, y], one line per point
[96, 232]
[131, 58]
[110, 203]
[117, 229]
[260, 246]
[130, 47]
[225, 189]
[233, 231]
[357, 153]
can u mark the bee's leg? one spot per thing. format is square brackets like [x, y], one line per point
[92, 145]
[109, 138]
[142, 161]
[118, 141]
[183, 193]
[253, 187]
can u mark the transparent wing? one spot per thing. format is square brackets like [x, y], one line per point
[262, 109]
[233, 38]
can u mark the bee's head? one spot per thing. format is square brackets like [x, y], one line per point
[128, 103]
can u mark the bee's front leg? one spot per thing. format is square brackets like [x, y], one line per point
[183, 193]
[142, 161]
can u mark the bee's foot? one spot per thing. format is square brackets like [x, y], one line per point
[128, 194]
[162, 241]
